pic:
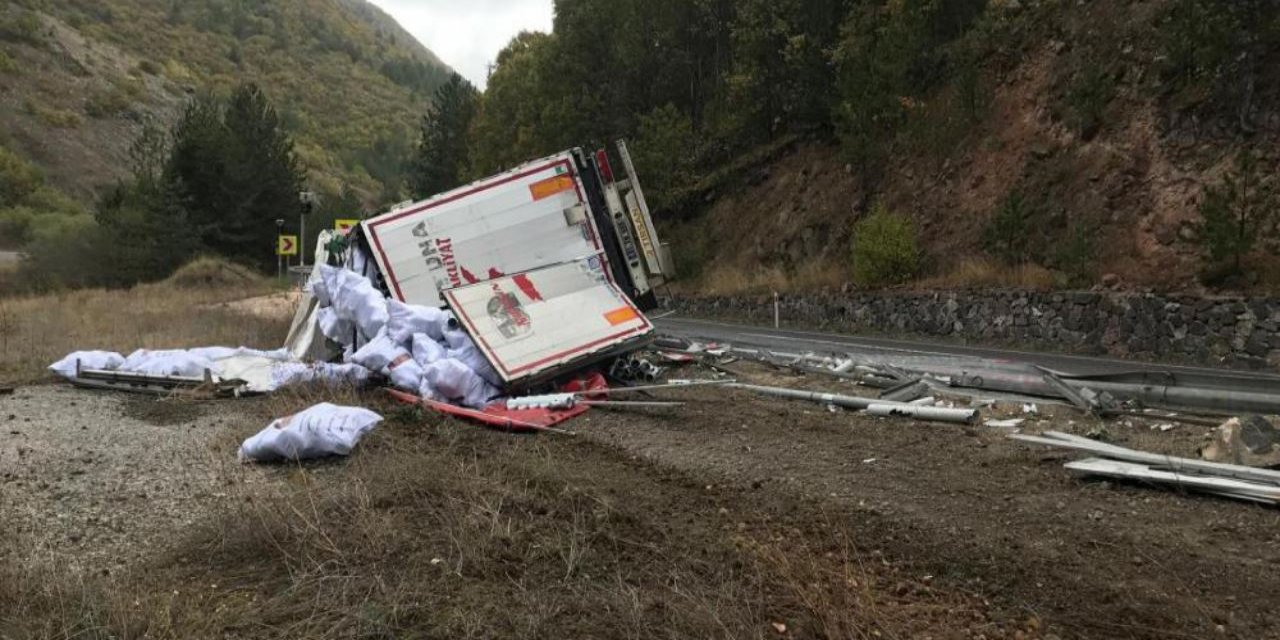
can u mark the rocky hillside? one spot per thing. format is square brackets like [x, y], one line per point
[1095, 129]
[79, 77]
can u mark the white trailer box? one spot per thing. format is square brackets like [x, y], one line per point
[548, 266]
[562, 208]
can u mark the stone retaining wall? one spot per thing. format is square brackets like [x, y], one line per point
[1236, 332]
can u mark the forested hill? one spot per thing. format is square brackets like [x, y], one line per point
[1060, 140]
[79, 77]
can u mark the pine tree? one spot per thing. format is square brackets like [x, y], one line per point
[233, 171]
[441, 162]
[1235, 211]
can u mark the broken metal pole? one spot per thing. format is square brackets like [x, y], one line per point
[865, 404]
[1180, 465]
[848, 402]
[939, 414]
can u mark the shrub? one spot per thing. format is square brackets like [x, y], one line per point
[1075, 257]
[53, 116]
[15, 225]
[105, 104]
[207, 272]
[7, 65]
[22, 26]
[1008, 235]
[884, 249]
[1236, 211]
[18, 179]
[150, 67]
[1091, 90]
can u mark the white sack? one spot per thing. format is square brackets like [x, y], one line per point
[406, 374]
[469, 355]
[100, 360]
[404, 320]
[222, 353]
[167, 363]
[426, 350]
[455, 381]
[384, 356]
[333, 327]
[457, 339]
[318, 288]
[378, 353]
[322, 430]
[355, 299]
[291, 373]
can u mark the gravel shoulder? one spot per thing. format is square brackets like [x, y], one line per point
[97, 481]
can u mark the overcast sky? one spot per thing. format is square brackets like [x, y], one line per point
[468, 34]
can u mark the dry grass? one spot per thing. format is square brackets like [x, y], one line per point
[213, 273]
[35, 331]
[983, 273]
[816, 275]
[730, 280]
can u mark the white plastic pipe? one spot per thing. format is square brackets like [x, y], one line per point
[940, 414]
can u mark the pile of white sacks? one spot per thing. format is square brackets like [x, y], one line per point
[419, 349]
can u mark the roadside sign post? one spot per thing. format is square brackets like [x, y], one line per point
[345, 226]
[279, 255]
[307, 201]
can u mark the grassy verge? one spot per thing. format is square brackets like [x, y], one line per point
[35, 331]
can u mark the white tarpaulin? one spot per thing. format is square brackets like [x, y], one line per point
[323, 430]
[100, 360]
[530, 323]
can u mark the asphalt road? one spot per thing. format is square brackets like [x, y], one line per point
[791, 340]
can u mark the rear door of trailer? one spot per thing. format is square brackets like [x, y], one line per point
[530, 217]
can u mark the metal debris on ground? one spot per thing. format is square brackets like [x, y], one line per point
[1228, 480]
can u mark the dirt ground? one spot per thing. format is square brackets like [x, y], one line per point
[733, 516]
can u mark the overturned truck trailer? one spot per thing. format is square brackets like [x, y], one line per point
[549, 267]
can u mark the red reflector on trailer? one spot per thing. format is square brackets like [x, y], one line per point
[606, 171]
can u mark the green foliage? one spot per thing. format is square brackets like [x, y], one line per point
[441, 161]
[514, 125]
[665, 154]
[1236, 210]
[780, 70]
[353, 81]
[18, 179]
[22, 25]
[233, 172]
[890, 57]
[53, 116]
[1215, 52]
[1009, 234]
[7, 65]
[107, 103]
[70, 253]
[884, 249]
[1092, 88]
[1075, 256]
[150, 67]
